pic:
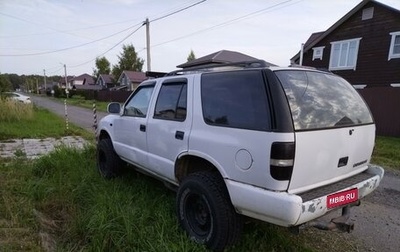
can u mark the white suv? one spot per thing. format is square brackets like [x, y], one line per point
[283, 145]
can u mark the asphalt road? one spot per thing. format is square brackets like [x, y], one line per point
[81, 117]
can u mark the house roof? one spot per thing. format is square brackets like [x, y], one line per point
[107, 78]
[220, 57]
[318, 36]
[134, 76]
[87, 78]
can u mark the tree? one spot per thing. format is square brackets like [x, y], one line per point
[191, 56]
[128, 60]
[5, 84]
[102, 67]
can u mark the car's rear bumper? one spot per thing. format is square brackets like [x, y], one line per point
[286, 209]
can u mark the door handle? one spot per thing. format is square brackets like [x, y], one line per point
[179, 135]
[142, 128]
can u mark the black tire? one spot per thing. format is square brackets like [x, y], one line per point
[205, 211]
[108, 162]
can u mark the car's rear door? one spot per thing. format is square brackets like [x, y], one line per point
[334, 130]
[169, 125]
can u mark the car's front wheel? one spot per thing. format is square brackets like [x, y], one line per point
[205, 211]
[109, 163]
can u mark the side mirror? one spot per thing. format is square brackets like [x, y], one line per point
[114, 108]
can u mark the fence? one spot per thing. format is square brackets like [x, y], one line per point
[384, 103]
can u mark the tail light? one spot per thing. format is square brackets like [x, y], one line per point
[282, 160]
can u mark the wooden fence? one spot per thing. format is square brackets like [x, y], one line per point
[384, 103]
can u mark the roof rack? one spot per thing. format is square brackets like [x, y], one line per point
[155, 74]
[211, 67]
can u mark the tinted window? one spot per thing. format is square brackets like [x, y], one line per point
[235, 99]
[322, 100]
[139, 103]
[171, 102]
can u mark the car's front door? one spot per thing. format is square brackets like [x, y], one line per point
[130, 128]
[169, 127]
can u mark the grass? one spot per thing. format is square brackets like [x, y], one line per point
[38, 123]
[387, 152]
[15, 111]
[63, 198]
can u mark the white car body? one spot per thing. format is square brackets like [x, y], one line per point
[331, 166]
[18, 97]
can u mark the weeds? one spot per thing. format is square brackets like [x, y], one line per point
[12, 111]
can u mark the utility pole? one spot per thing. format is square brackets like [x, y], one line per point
[37, 86]
[65, 75]
[148, 44]
[44, 76]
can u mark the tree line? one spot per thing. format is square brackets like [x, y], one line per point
[127, 60]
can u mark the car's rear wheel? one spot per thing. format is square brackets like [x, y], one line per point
[109, 163]
[205, 211]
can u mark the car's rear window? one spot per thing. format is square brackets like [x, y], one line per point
[322, 100]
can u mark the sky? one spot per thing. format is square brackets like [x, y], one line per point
[38, 36]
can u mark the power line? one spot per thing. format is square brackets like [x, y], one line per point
[162, 17]
[130, 34]
[255, 13]
[71, 47]
[172, 13]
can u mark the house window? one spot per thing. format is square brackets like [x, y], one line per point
[318, 52]
[394, 51]
[344, 54]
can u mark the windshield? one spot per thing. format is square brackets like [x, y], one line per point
[322, 100]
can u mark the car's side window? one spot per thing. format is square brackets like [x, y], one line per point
[139, 103]
[235, 99]
[171, 102]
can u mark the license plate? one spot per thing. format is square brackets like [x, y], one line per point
[342, 198]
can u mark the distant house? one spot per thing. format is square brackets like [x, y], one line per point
[131, 79]
[62, 83]
[364, 48]
[220, 57]
[105, 81]
[84, 81]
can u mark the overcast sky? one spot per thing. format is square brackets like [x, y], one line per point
[272, 30]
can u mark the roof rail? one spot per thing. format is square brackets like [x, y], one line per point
[155, 74]
[210, 67]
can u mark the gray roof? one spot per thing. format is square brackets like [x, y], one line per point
[220, 57]
[107, 78]
[134, 76]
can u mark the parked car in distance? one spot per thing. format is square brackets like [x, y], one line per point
[16, 97]
[283, 145]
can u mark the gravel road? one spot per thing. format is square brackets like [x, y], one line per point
[377, 220]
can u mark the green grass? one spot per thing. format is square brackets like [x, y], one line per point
[40, 125]
[131, 213]
[12, 111]
[387, 152]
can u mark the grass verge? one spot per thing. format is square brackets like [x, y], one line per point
[41, 124]
[387, 152]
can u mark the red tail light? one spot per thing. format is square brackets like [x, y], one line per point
[282, 160]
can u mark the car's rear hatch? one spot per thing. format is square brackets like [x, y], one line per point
[334, 131]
